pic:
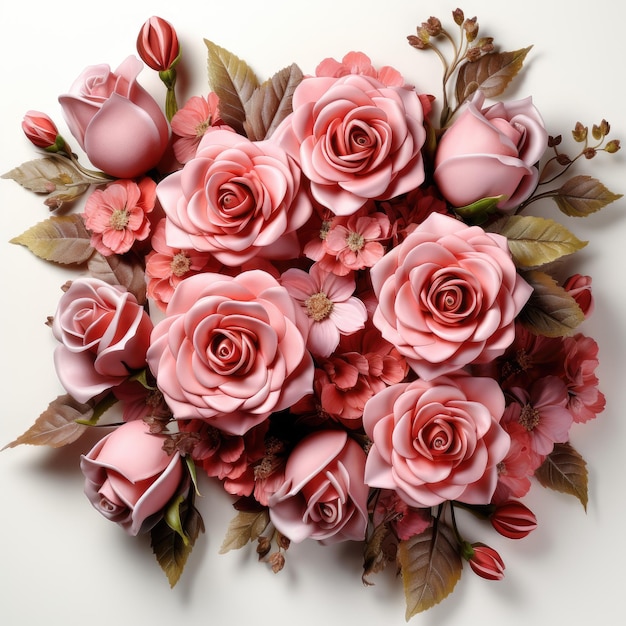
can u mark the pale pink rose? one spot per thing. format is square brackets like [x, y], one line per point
[129, 478]
[104, 335]
[324, 496]
[448, 296]
[157, 44]
[437, 440]
[117, 215]
[579, 287]
[355, 139]
[229, 351]
[117, 123]
[235, 199]
[491, 151]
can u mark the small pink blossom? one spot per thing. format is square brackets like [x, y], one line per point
[404, 520]
[328, 308]
[117, 215]
[359, 63]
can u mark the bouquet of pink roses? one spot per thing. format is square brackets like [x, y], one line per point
[310, 290]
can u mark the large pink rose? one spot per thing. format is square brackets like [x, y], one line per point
[355, 139]
[229, 351]
[118, 124]
[104, 335]
[235, 199]
[324, 496]
[129, 478]
[448, 296]
[437, 440]
[490, 152]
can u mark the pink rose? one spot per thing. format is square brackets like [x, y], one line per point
[117, 123]
[437, 440]
[324, 496]
[448, 296]
[229, 351]
[129, 478]
[355, 139]
[104, 335]
[236, 199]
[491, 152]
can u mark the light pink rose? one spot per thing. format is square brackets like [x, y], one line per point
[235, 199]
[104, 335]
[490, 152]
[324, 496]
[355, 139]
[117, 123]
[229, 351]
[448, 296]
[437, 440]
[129, 478]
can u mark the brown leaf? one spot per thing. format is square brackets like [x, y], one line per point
[583, 195]
[117, 270]
[243, 528]
[270, 104]
[565, 470]
[490, 74]
[56, 426]
[550, 310]
[61, 239]
[431, 566]
[375, 557]
[233, 81]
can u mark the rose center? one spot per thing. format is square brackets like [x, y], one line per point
[318, 306]
[119, 219]
[355, 241]
[180, 264]
[529, 417]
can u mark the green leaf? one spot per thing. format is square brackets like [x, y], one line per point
[490, 74]
[99, 410]
[536, 241]
[120, 270]
[550, 310]
[479, 211]
[60, 239]
[583, 195]
[243, 528]
[233, 81]
[58, 425]
[270, 104]
[168, 545]
[565, 470]
[431, 566]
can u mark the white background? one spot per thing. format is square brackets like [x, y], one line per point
[61, 563]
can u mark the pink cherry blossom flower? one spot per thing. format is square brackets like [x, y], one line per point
[328, 308]
[117, 215]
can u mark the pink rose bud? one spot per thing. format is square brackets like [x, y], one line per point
[486, 562]
[579, 287]
[513, 519]
[41, 130]
[157, 44]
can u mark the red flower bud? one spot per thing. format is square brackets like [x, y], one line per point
[579, 287]
[40, 129]
[486, 562]
[157, 44]
[513, 519]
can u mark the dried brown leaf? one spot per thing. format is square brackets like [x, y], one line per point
[61, 239]
[565, 470]
[233, 81]
[490, 74]
[270, 104]
[431, 566]
[56, 426]
[117, 270]
[550, 310]
[375, 557]
[243, 528]
[582, 195]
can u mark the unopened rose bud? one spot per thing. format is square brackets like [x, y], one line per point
[579, 287]
[513, 519]
[42, 131]
[157, 44]
[486, 562]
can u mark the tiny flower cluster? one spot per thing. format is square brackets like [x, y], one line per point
[339, 309]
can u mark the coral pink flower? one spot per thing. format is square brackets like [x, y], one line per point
[166, 266]
[328, 307]
[542, 411]
[359, 63]
[404, 520]
[117, 215]
[157, 44]
[191, 122]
